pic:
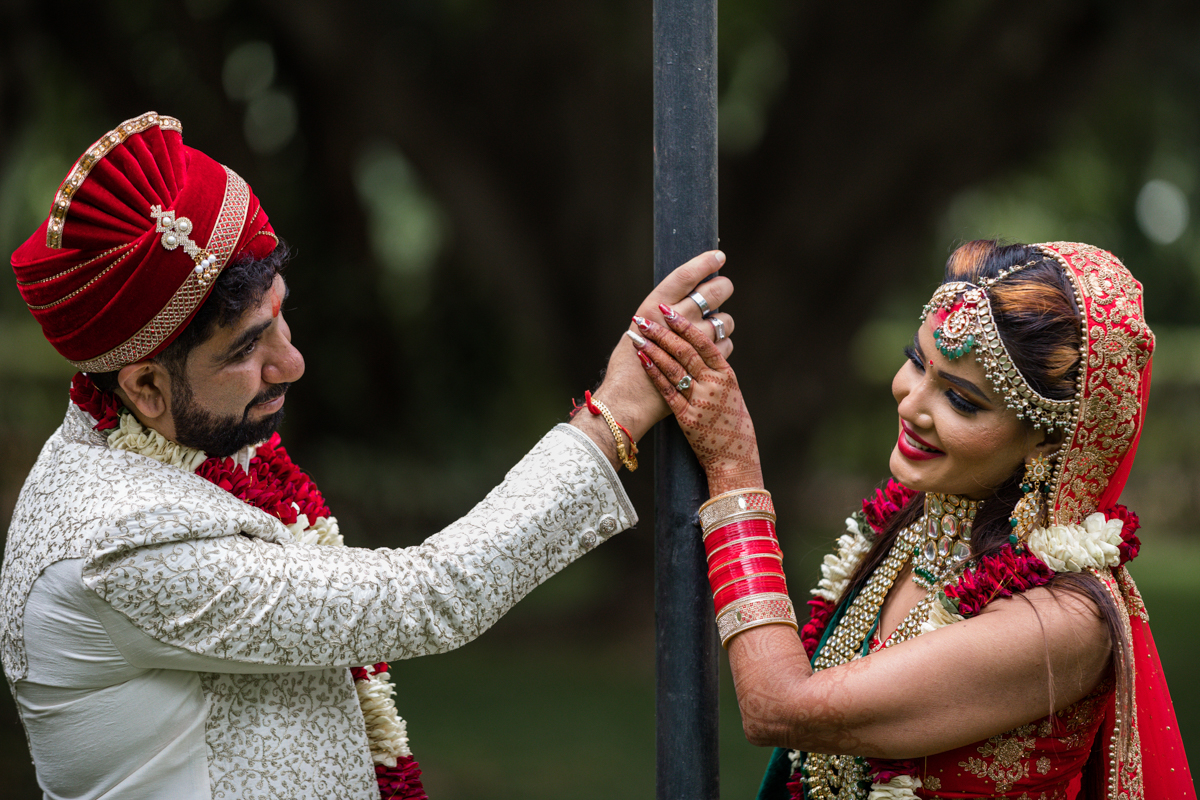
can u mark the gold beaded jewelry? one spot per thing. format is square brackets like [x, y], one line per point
[630, 459]
[1030, 510]
[832, 777]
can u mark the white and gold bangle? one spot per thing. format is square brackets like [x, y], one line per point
[735, 506]
[751, 612]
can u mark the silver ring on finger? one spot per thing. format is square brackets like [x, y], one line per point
[719, 327]
[685, 383]
[699, 300]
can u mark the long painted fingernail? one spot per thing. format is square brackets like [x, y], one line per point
[667, 311]
[641, 323]
[638, 341]
[646, 362]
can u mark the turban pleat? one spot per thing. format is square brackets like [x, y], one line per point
[138, 233]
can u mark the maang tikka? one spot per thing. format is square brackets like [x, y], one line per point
[967, 326]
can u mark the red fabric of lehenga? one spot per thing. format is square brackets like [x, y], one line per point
[1039, 761]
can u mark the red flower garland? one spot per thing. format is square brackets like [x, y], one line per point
[277, 486]
[998, 575]
[1130, 543]
[273, 483]
[877, 511]
[105, 408]
[810, 634]
[886, 503]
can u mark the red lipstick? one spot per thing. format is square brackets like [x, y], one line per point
[912, 453]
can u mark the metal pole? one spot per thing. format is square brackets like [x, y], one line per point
[685, 224]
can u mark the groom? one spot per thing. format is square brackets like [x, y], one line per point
[177, 613]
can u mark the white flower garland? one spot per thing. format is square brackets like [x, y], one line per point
[837, 568]
[132, 436]
[939, 617]
[387, 731]
[1074, 548]
[900, 787]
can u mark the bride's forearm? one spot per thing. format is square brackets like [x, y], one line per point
[740, 476]
[721, 482]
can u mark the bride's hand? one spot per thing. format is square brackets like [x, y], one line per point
[711, 410]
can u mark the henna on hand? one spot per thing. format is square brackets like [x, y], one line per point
[711, 412]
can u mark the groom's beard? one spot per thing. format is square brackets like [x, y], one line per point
[218, 435]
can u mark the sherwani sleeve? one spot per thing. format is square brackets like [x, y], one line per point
[246, 599]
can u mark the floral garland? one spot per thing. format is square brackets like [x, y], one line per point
[1105, 539]
[853, 547]
[265, 477]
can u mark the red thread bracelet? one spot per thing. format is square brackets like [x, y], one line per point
[600, 410]
[591, 406]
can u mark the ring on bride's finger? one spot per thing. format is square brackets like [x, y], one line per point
[719, 327]
[699, 300]
[684, 383]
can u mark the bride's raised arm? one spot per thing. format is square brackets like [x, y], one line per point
[976, 633]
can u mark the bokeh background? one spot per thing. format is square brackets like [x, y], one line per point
[467, 186]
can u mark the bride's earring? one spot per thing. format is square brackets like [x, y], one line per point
[1030, 510]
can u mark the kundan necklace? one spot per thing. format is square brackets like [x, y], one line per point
[938, 545]
[947, 540]
[264, 476]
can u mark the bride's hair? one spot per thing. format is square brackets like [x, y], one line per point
[1034, 309]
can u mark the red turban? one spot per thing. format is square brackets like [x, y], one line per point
[139, 231]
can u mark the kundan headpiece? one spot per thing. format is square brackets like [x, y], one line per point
[1103, 421]
[138, 232]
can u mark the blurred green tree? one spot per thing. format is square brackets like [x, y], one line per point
[468, 187]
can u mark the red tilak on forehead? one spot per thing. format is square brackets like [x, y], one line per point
[275, 302]
[942, 313]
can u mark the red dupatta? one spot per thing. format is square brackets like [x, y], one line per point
[1143, 753]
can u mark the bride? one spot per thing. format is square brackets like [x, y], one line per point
[976, 634]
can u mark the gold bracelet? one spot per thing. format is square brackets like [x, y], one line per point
[629, 461]
[750, 612]
[730, 506]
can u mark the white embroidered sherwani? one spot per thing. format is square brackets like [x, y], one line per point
[164, 639]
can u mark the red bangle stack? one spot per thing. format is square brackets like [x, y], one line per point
[745, 563]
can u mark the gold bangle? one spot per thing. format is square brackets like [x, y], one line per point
[753, 611]
[629, 461]
[743, 516]
[720, 509]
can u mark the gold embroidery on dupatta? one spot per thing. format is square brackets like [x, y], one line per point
[1117, 345]
[1124, 751]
